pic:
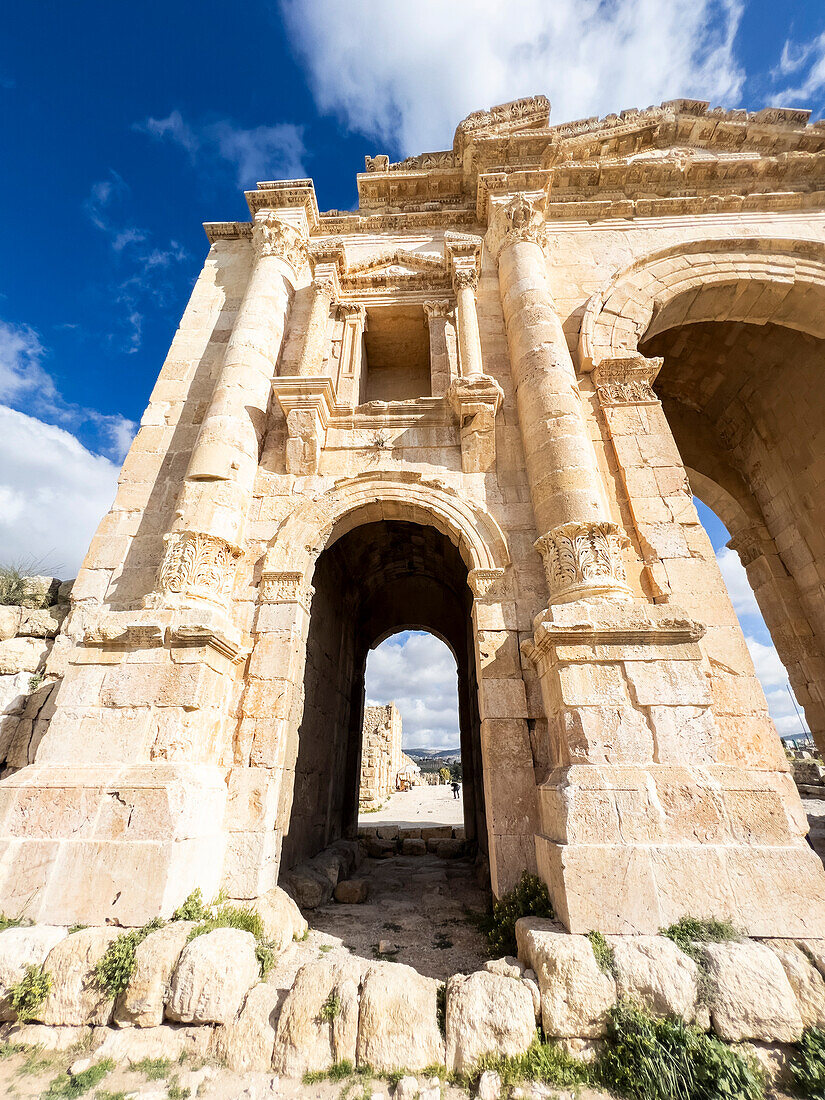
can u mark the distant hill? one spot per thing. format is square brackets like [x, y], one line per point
[432, 761]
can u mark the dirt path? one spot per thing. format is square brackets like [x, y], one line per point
[419, 905]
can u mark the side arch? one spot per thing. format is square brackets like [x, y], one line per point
[755, 279]
[367, 498]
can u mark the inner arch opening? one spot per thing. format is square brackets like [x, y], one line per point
[375, 580]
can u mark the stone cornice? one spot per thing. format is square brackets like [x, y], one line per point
[285, 194]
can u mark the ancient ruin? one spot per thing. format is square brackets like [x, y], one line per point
[385, 767]
[478, 405]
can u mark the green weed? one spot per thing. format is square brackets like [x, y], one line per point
[30, 992]
[529, 898]
[114, 970]
[604, 953]
[192, 908]
[688, 932]
[330, 1009]
[807, 1064]
[542, 1061]
[153, 1069]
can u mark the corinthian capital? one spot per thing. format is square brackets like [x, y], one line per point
[465, 277]
[273, 237]
[583, 559]
[520, 219]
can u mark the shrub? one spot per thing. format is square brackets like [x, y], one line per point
[114, 971]
[604, 953]
[192, 908]
[30, 992]
[174, 1091]
[807, 1064]
[330, 1009]
[67, 1088]
[528, 899]
[650, 1058]
[12, 922]
[444, 775]
[689, 931]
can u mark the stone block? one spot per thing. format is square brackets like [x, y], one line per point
[142, 1003]
[213, 975]
[397, 1024]
[751, 995]
[76, 998]
[486, 1014]
[305, 1038]
[19, 948]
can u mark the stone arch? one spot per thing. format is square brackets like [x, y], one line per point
[370, 497]
[755, 279]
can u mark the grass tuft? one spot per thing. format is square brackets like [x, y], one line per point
[65, 1087]
[529, 898]
[688, 932]
[542, 1061]
[153, 1069]
[192, 908]
[330, 1009]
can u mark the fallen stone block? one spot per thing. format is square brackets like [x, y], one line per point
[487, 1014]
[397, 1024]
[19, 948]
[437, 832]
[576, 995]
[76, 998]
[308, 886]
[751, 996]
[805, 980]
[318, 1022]
[413, 847]
[352, 891]
[133, 1044]
[508, 967]
[380, 849]
[448, 849]
[387, 832]
[246, 1043]
[282, 919]
[142, 1003]
[214, 974]
[656, 973]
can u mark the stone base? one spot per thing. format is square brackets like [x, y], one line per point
[639, 888]
[94, 844]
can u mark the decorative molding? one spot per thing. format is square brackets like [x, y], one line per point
[271, 236]
[475, 400]
[196, 566]
[583, 559]
[465, 278]
[750, 543]
[627, 381]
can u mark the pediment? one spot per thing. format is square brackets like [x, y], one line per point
[397, 264]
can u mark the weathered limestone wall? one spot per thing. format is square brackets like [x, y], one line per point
[381, 755]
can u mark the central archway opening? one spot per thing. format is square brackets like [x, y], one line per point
[376, 580]
[411, 768]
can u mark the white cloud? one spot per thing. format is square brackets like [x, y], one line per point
[258, 153]
[739, 587]
[806, 62]
[406, 74]
[53, 492]
[417, 672]
[24, 381]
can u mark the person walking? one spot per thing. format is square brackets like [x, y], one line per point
[455, 788]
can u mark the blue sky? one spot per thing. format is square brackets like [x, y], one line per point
[123, 128]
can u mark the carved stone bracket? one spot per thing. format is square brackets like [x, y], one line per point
[463, 253]
[750, 543]
[195, 566]
[475, 401]
[175, 629]
[482, 581]
[287, 587]
[583, 559]
[441, 308]
[627, 381]
[307, 404]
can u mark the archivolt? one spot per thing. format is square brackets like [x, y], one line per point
[753, 279]
[372, 497]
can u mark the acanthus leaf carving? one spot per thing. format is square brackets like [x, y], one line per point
[196, 565]
[271, 236]
[582, 558]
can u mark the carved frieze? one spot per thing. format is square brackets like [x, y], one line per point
[197, 566]
[583, 558]
[482, 581]
[287, 587]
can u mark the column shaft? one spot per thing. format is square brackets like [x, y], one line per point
[469, 338]
[312, 355]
